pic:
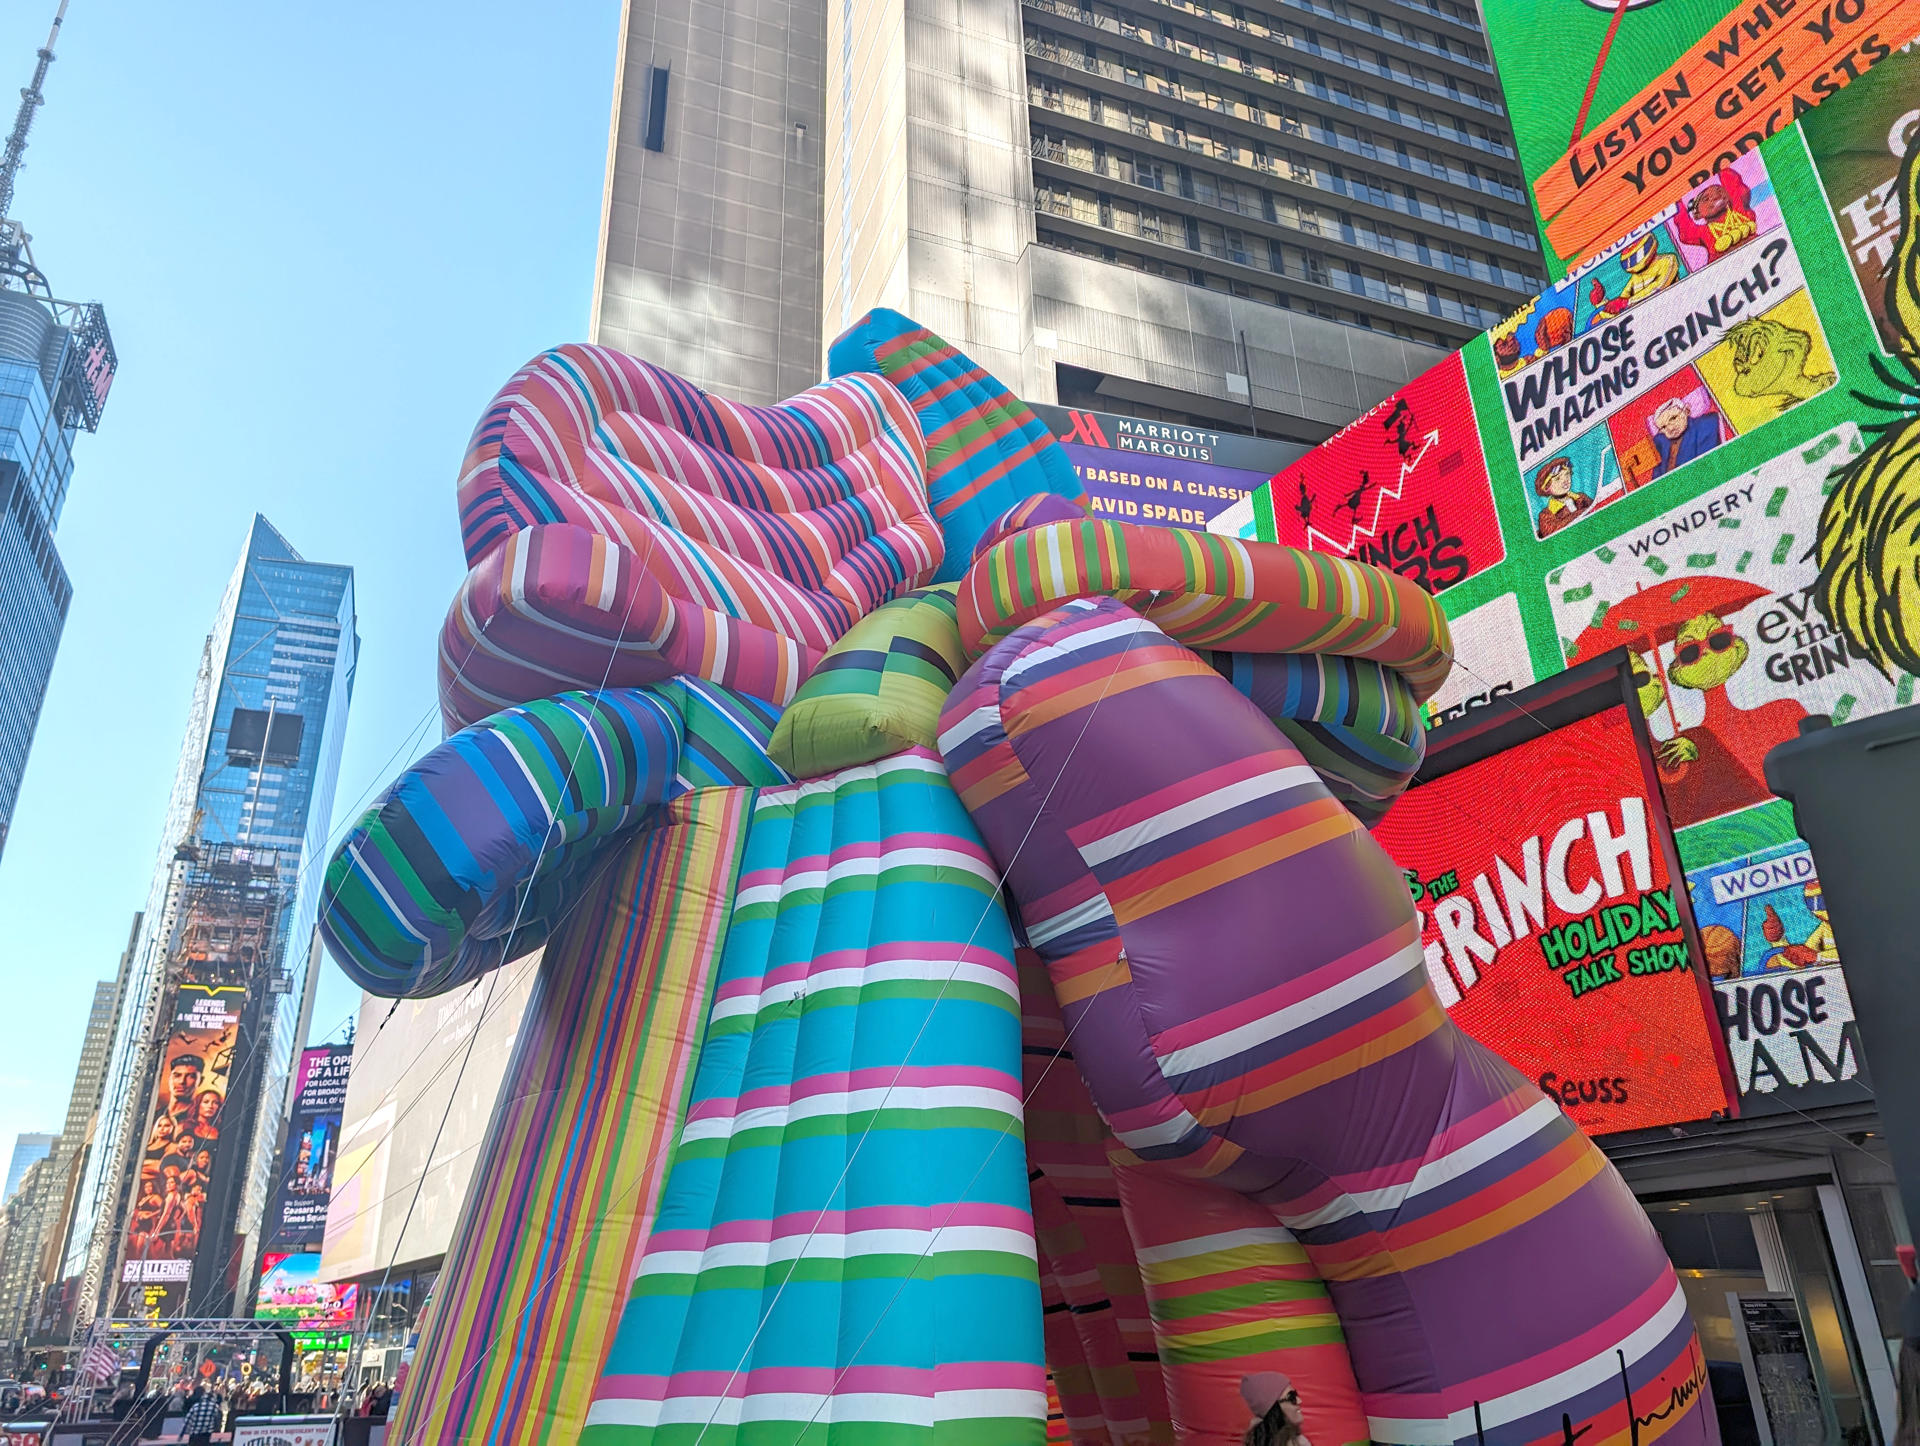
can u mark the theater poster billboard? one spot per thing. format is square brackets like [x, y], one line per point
[297, 1212]
[182, 1146]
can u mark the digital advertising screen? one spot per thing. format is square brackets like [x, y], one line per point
[290, 1292]
[1166, 473]
[297, 1216]
[181, 1147]
[1555, 921]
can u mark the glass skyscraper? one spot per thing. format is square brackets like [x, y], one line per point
[224, 960]
[56, 363]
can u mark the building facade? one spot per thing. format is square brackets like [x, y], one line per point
[30, 1311]
[47, 351]
[27, 1149]
[1265, 214]
[710, 234]
[171, 1198]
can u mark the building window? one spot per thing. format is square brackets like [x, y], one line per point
[654, 127]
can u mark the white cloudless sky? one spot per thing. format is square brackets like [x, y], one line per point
[324, 236]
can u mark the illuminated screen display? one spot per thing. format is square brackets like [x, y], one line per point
[1552, 929]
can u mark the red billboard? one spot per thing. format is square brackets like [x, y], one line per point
[1556, 925]
[1404, 487]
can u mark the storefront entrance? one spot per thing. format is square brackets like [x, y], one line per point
[1769, 1300]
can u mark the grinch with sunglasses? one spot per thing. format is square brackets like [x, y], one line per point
[1718, 765]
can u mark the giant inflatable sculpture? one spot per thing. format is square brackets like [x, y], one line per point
[968, 979]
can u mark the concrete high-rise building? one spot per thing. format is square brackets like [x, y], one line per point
[27, 1149]
[206, 1031]
[1212, 211]
[710, 230]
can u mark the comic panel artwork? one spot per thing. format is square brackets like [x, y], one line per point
[1716, 601]
[1777, 980]
[1695, 329]
[1404, 487]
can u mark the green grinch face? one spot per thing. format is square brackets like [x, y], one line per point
[1770, 360]
[1706, 652]
[1652, 693]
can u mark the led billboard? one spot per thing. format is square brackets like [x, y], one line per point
[1555, 919]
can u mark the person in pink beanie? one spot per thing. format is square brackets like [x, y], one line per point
[1275, 1404]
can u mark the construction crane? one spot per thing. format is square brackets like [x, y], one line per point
[31, 100]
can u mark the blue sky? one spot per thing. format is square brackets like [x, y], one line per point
[324, 235]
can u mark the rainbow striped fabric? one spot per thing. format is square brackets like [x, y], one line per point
[474, 851]
[1210, 592]
[624, 527]
[986, 450]
[1100, 1340]
[569, 1177]
[1233, 1292]
[878, 690]
[1354, 720]
[1241, 967]
[844, 1253]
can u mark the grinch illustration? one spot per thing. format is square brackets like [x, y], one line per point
[1869, 539]
[1707, 652]
[1770, 359]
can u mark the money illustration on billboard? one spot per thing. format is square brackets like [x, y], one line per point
[1695, 329]
[182, 1146]
[1777, 973]
[1716, 598]
[1404, 487]
[1165, 473]
[1551, 930]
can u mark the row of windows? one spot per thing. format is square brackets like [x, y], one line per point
[1226, 243]
[1278, 118]
[1394, 27]
[1275, 161]
[1201, 46]
[1234, 285]
[1278, 209]
[1207, 91]
[39, 548]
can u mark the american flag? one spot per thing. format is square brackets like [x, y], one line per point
[99, 1363]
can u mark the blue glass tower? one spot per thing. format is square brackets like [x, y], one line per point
[47, 350]
[235, 895]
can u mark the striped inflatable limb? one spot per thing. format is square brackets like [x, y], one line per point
[879, 689]
[1354, 720]
[1100, 1340]
[1241, 968]
[986, 450]
[1232, 1293]
[570, 1171]
[1209, 591]
[843, 1254]
[617, 516]
[473, 852]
